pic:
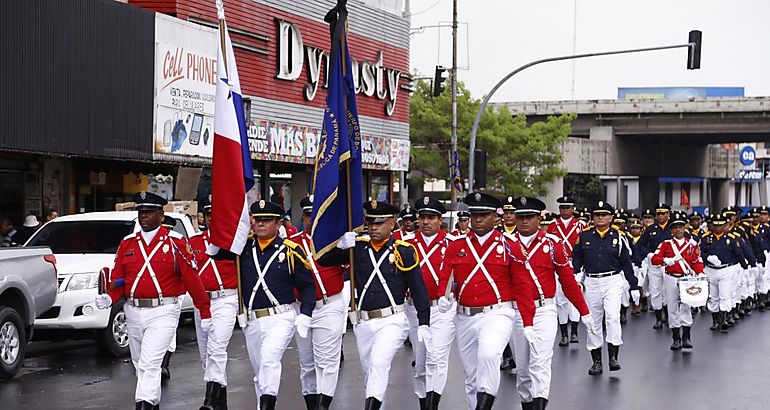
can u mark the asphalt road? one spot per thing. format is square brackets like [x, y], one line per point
[723, 372]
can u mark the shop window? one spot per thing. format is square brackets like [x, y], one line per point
[380, 187]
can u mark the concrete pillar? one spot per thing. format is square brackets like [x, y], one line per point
[648, 192]
[554, 189]
[720, 194]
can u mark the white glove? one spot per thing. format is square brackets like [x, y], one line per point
[635, 296]
[714, 260]
[445, 303]
[206, 326]
[589, 322]
[669, 261]
[424, 337]
[302, 322]
[531, 335]
[103, 302]
[347, 241]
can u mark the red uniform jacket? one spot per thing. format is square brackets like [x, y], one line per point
[477, 291]
[689, 251]
[431, 265]
[226, 268]
[569, 234]
[331, 276]
[173, 264]
[546, 254]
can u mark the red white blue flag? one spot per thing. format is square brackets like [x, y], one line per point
[232, 175]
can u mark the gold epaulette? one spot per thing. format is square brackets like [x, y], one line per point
[295, 251]
[363, 238]
[399, 261]
[733, 236]
[290, 244]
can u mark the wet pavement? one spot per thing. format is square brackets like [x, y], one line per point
[723, 372]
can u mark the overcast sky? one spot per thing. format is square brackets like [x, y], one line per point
[503, 35]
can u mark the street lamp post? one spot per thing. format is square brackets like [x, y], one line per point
[693, 62]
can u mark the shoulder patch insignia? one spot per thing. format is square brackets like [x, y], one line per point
[175, 235]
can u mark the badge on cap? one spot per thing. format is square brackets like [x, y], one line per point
[143, 195]
[374, 204]
[310, 198]
[425, 200]
[523, 200]
[510, 199]
[477, 196]
[601, 204]
[261, 203]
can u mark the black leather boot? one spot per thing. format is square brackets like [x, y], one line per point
[207, 397]
[433, 400]
[614, 363]
[564, 335]
[665, 315]
[372, 404]
[723, 325]
[423, 402]
[527, 406]
[324, 402]
[644, 307]
[484, 401]
[675, 333]
[539, 403]
[760, 302]
[574, 332]
[508, 362]
[686, 343]
[311, 401]
[143, 405]
[748, 304]
[165, 373]
[714, 321]
[623, 318]
[267, 402]
[658, 320]
[730, 318]
[596, 368]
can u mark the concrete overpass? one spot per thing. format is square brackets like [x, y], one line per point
[658, 138]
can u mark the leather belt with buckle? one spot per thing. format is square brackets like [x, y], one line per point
[152, 302]
[273, 310]
[214, 294]
[720, 267]
[601, 274]
[472, 311]
[380, 313]
[433, 302]
[538, 303]
[329, 299]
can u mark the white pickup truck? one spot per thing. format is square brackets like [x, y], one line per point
[83, 244]
[27, 289]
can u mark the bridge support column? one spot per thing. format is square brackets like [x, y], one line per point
[554, 189]
[649, 192]
[720, 194]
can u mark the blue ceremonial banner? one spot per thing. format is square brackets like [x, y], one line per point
[454, 168]
[338, 164]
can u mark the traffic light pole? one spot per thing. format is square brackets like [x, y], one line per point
[453, 85]
[694, 50]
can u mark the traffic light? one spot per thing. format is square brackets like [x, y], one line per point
[693, 52]
[479, 169]
[438, 81]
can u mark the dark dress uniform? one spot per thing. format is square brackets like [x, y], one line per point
[604, 257]
[384, 272]
[650, 240]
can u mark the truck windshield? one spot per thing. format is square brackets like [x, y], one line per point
[82, 236]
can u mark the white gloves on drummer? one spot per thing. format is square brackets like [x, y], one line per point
[424, 336]
[103, 302]
[302, 323]
[589, 323]
[714, 260]
[347, 241]
[669, 261]
[636, 296]
[445, 303]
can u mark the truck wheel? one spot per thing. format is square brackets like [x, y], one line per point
[13, 342]
[113, 339]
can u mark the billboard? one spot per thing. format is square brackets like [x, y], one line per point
[677, 93]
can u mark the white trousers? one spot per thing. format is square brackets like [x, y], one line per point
[377, 341]
[431, 366]
[346, 297]
[533, 372]
[735, 292]
[603, 298]
[655, 285]
[625, 296]
[150, 331]
[481, 340]
[319, 352]
[679, 314]
[565, 310]
[212, 347]
[266, 340]
[762, 279]
[720, 288]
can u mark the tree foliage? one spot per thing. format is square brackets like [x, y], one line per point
[521, 159]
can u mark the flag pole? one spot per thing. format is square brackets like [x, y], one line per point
[243, 319]
[351, 251]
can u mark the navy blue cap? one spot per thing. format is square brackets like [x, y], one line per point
[306, 204]
[565, 201]
[508, 204]
[266, 210]
[602, 207]
[206, 204]
[407, 212]
[481, 203]
[526, 205]
[378, 212]
[429, 206]
[147, 201]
